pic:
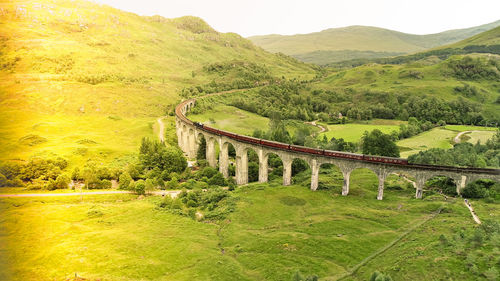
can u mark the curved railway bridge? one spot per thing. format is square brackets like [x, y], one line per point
[189, 134]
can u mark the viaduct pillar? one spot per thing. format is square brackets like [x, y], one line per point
[210, 153]
[346, 173]
[263, 169]
[241, 166]
[287, 171]
[315, 174]
[381, 178]
[223, 160]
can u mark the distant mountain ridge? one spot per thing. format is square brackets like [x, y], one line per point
[353, 42]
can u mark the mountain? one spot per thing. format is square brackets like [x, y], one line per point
[465, 72]
[86, 81]
[353, 42]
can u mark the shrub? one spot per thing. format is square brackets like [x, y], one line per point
[124, 181]
[173, 183]
[62, 182]
[217, 179]
[377, 276]
[105, 184]
[140, 187]
[149, 185]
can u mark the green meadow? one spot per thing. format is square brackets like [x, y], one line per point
[353, 132]
[87, 81]
[274, 232]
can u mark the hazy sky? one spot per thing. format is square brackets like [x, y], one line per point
[259, 17]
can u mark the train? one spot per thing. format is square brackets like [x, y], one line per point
[298, 148]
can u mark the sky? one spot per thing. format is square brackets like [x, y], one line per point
[286, 17]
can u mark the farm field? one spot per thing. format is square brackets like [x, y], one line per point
[353, 132]
[435, 138]
[274, 232]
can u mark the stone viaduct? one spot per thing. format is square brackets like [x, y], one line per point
[189, 135]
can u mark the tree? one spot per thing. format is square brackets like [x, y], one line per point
[62, 182]
[140, 187]
[378, 143]
[154, 154]
[124, 180]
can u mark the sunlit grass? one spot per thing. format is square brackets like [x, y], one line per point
[274, 232]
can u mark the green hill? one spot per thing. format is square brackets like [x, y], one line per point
[485, 42]
[354, 42]
[87, 81]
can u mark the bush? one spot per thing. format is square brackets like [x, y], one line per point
[173, 183]
[217, 179]
[124, 181]
[140, 187]
[377, 276]
[481, 189]
[62, 182]
[150, 185]
[105, 184]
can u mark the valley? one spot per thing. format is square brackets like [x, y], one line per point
[87, 104]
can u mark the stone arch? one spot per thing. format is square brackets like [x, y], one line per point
[272, 163]
[329, 176]
[212, 150]
[447, 184]
[200, 140]
[253, 163]
[226, 147]
[361, 175]
[299, 165]
[486, 182]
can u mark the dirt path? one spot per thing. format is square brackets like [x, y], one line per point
[457, 138]
[63, 194]
[172, 193]
[474, 216]
[321, 128]
[161, 134]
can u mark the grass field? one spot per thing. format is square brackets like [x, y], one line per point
[101, 75]
[435, 138]
[354, 132]
[233, 119]
[443, 138]
[274, 232]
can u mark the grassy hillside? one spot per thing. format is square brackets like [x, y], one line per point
[274, 232]
[354, 42]
[429, 77]
[87, 81]
[485, 42]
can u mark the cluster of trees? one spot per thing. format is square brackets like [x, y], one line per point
[231, 75]
[463, 154]
[482, 189]
[440, 53]
[294, 101]
[414, 127]
[468, 68]
[378, 143]
[210, 205]
[38, 173]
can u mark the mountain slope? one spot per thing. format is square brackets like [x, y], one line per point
[353, 42]
[87, 81]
